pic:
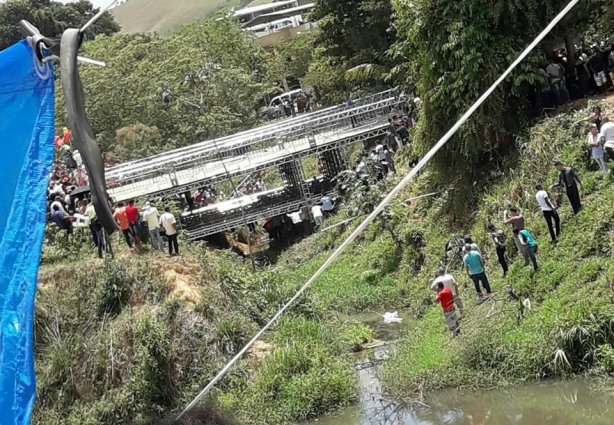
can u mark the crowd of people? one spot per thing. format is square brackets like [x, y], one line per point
[601, 145]
[587, 75]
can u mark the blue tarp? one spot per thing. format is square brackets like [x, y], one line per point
[26, 156]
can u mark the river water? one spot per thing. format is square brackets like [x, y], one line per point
[547, 403]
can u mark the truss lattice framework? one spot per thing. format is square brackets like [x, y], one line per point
[176, 161]
[236, 220]
[172, 183]
[272, 128]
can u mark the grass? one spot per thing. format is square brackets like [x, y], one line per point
[116, 345]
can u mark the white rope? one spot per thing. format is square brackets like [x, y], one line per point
[97, 16]
[395, 191]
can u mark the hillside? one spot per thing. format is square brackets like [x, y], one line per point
[126, 338]
[162, 15]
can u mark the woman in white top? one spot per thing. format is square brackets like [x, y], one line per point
[549, 210]
[596, 149]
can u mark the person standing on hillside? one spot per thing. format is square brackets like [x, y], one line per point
[120, 218]
[90, 213]
[597, 153]
[516, 219]
[446, 298]
[549, 211]
[570, 180]
[606, 137]
[527, 239]
[475, 268]
[151, 217]
[133, 216]
[448, 282]
[498, 238]
[168, 222]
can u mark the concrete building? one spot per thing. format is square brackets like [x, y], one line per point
[268, 21]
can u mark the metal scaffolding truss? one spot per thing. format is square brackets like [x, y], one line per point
[193, 170]
[165, 183]
[254, 132]
[236, 146]
[234, 219]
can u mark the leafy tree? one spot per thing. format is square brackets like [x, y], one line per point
[51, 18]
[292, 58]
[353, 41]
[205, 81]
[455, 51]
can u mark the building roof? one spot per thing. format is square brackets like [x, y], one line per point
[280, 14]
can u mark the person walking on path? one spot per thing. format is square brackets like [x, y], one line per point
[168, 222]
[550, 214]
[499, 239]
[475, 268]
[448, 282]
[152, 218]
[570, 180]
[527, 239]
[446, 298]
[133, 216]
[120, 218]
[597, 152]
[516, 219]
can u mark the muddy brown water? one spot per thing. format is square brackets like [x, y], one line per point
[547, 403]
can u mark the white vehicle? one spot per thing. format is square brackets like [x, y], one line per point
[282, 98]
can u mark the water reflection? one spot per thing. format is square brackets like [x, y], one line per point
[555, 403]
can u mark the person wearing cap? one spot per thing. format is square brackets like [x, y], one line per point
[475, 268]
[151, 217]
[448, 281]
[570, 180]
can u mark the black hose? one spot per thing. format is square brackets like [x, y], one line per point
[83, 133]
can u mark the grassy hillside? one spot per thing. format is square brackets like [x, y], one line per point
[164, 15]
[120, 341]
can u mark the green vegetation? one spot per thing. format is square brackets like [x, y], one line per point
[569, 328]
[161, 92]
[51, 18]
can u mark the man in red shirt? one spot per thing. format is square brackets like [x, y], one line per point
[132, 214]
[446, 298]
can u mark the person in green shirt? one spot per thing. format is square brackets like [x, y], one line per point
[475, 268]
[529, 241]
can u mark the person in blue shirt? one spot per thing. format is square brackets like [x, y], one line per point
[475, 268]
[527, 240]
[62, 219]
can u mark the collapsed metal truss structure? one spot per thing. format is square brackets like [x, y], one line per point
[280, 145]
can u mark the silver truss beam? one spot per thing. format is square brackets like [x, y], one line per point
[174, 161]
[277, 125]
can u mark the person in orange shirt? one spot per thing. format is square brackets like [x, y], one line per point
[446, 298]
[122, 220]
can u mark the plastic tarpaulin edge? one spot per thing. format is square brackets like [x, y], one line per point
[24, 216]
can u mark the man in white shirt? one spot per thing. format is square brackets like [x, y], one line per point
[151, 217]
[316, 211]
[606, 137]
[90, 213]
[548, 209]
[168, 222]
[448, 282]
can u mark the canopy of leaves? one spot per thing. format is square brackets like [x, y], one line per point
[456, 50]
[205, 81]
[354, 34]
[51, 18]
